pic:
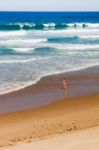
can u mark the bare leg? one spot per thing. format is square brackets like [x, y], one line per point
[65, 93]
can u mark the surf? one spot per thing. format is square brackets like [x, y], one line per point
[34, 45]
[49, 26]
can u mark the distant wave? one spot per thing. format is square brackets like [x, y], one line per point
[32, 26]
[84, 25]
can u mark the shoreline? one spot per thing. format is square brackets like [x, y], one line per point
[48, 76]
[49, 90]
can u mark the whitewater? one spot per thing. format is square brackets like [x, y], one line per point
[32, 50]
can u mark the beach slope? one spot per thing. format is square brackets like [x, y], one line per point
[59, 117]
[78, 140]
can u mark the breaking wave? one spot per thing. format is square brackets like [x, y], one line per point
[32, 26]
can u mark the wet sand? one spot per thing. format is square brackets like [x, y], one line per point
[49, 89]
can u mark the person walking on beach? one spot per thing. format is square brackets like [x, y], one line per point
[64, 86]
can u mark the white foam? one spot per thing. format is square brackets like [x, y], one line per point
[89, 37]
[16, 61]
[29, 24]
[77, 46]
[75, 32]
[71, 25]
[49, 25]
[22, 24]
[68, 46]
[93, 25]
[12, 33]
[87, 25]
[65, 33]
[23, 49]
[21, 42]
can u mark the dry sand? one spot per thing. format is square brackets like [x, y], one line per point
[57, 118]
[78, 140]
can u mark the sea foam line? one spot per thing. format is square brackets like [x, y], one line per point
[17, 61]
[90, 37]
[23, 86]
[12, 33]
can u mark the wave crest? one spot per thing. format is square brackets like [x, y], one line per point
[32, 26]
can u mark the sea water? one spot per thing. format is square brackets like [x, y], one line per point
[37, 44]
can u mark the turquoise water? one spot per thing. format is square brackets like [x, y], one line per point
[33, 45]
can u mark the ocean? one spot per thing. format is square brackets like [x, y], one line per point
[37, 44]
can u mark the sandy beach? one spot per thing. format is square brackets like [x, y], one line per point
[72, 141]
[63, 115]
[49, 75]
[57, 118]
